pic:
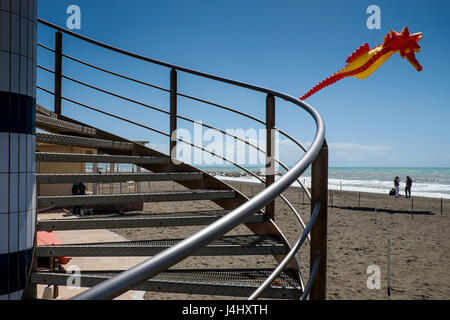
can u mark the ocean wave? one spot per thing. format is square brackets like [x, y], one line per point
[429, 190]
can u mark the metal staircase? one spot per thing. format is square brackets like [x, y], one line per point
[258, 214]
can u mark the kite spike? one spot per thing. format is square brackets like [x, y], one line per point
[359, 52]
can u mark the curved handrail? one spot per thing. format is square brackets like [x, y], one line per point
[191, 120]
[167, 258]
[289, 256]
[291, 207]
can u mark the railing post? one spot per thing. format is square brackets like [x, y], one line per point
[58, 72]
[270, 150]
[173, 114]
[319, 190]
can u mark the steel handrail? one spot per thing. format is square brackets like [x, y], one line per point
[130, 278]
[183, 118]
[312, 277]
[204, 150]
[167, 258]
[289, 256]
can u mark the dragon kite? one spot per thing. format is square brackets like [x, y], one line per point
[364, 61]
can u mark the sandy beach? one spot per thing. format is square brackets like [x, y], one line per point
[357, 239]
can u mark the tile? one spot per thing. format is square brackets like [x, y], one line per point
[23, 230]
[23, 36]
[34, 194]
[30, 26]
[13, 192]
[14, 152]
[13, 232]
[23, 75]
[33, 225]
[15, 73]
[4, 66]
[15, 33]
[24, 8]
[22, 192]
[5, 5]
[4, 149]
[30, 78]
[4, 194]
[22, 152]
[15, 6]
[5, 23]
[4, 233]
[32, 139]
[30, 152]
[31, 4]
[30, 182]
[30, 234]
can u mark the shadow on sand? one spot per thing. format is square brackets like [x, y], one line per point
[390, 211]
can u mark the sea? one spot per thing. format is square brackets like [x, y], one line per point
[427, 182]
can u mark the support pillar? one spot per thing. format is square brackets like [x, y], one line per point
[18, 24]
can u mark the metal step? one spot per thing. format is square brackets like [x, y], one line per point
[44, 111]
[197, 218]
[96, 158]
[117, 177]
[67, 201]
[225, 246]
[82, 141]
[221, 282]
[45, 122]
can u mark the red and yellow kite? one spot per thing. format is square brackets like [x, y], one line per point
[364, 61]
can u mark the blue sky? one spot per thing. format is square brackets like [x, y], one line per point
[396, 117]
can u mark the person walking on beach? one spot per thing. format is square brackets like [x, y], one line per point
[408, 187]
[397, 186]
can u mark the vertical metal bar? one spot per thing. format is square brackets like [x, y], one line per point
[389, 267]
[319, 192]
[270, 150]
[58, 72]
[173, 113]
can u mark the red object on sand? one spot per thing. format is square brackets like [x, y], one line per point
[47, 238]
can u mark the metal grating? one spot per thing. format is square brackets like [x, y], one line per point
[117, 177]
[95, 158]
[224, 282]
[64, 126]
[141, 221]
[228, 245]
[83, 142]
[61, 201]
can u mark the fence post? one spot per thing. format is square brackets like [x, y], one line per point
[173, 114]
[270, 150]
[58, 72]
[319, 192]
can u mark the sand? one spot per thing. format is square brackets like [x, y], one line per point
[357, 239]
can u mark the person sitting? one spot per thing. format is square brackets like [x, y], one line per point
[78, 189]
[392, 192]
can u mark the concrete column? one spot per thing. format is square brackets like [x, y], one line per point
[18, 25]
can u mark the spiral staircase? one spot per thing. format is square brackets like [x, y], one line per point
[264, 238]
